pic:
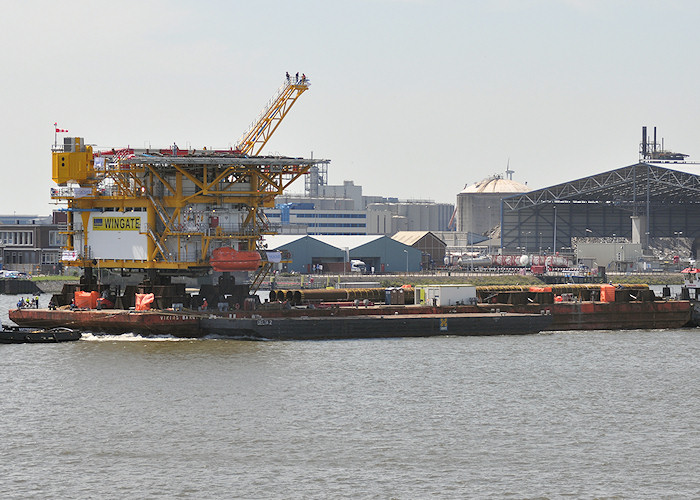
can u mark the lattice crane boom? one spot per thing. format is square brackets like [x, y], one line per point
[262, 129]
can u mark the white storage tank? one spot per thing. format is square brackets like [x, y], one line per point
[479, 205]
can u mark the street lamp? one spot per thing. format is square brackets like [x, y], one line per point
[406, 252]
[470, 253]
[526, 236]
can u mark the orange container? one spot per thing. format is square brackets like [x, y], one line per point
[607, 293]
[85, 300]
[143, 301]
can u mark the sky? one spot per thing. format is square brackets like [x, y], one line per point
[413, 99]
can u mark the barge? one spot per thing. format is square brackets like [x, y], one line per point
[298, 324]
[352, 313]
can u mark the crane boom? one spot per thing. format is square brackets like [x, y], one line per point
[262, 129]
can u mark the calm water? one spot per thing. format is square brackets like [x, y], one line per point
[577, 414]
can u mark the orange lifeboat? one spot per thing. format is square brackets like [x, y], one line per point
[226, 259]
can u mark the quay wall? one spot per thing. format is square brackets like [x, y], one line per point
[10, 286]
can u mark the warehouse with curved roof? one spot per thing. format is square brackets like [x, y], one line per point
[638, 202]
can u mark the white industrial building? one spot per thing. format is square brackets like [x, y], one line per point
[304, 218]
[344, 210]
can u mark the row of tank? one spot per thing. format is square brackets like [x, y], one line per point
[399, 295]
[550, 261]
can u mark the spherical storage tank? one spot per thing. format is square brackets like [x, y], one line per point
[479, 205]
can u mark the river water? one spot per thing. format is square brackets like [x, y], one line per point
[572, 414]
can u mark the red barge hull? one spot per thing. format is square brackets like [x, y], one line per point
[611, 315]
[111, 321]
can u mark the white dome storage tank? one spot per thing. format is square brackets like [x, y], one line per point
[479, 205]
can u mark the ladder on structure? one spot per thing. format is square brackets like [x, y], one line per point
[260, 276]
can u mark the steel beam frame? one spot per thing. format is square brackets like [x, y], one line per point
[601, 206]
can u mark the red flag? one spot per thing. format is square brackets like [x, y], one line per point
[61, 130]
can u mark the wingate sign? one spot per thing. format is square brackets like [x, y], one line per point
[116, 224]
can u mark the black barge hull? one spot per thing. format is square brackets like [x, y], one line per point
[19, 335]
[375, 326]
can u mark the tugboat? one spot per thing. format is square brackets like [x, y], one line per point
[23, 335]
[691, 290]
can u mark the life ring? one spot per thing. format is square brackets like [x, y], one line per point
[237, 306]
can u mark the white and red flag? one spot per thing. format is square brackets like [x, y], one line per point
[59, 129]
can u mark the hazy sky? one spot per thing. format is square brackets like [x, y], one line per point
[409, 98]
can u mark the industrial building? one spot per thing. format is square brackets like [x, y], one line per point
[620, 256]
[32, 244]
[431, 246]
[415, 215]
[305, 218]
[618, 217]
[378, 253]
[343, 209]
[637, 202]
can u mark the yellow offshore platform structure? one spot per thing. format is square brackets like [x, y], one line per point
[173, 212]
